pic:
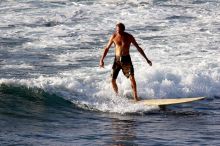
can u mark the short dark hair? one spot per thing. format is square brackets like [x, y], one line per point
[121, 26]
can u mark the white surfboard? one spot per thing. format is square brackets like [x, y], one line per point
[168, 101]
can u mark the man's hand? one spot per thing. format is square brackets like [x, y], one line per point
[101, 64]
[149, 62]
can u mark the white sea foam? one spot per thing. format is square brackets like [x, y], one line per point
[19, 66]
[181, 39]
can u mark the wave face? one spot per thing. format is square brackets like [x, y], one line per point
[52, 91]
[27, 102]
[56, 46]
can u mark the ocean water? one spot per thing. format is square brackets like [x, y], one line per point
[52, 91]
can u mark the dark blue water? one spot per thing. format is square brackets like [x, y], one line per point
[34, 117]
[52, 91]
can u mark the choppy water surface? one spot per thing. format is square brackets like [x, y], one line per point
[52, 91]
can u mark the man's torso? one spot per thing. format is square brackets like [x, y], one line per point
[122, 44]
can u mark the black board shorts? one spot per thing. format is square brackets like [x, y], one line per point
[122, 63]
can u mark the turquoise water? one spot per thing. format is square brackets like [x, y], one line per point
[52, 91]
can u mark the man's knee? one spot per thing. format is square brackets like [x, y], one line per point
[113, 81]
[132, 78]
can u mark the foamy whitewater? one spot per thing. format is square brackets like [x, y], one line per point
[55, 45]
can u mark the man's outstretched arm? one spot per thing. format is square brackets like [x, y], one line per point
[140, 50]
[106, 49]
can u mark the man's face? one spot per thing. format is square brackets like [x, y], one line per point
[118, 30]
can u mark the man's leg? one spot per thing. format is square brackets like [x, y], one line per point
[134, 88]
[114, 85]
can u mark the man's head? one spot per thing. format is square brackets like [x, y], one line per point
[120, 27]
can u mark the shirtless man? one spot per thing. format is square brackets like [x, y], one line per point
[122, 41]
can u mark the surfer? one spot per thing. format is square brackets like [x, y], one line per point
[122, 61]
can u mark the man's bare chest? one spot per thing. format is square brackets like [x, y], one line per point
[121, 41]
